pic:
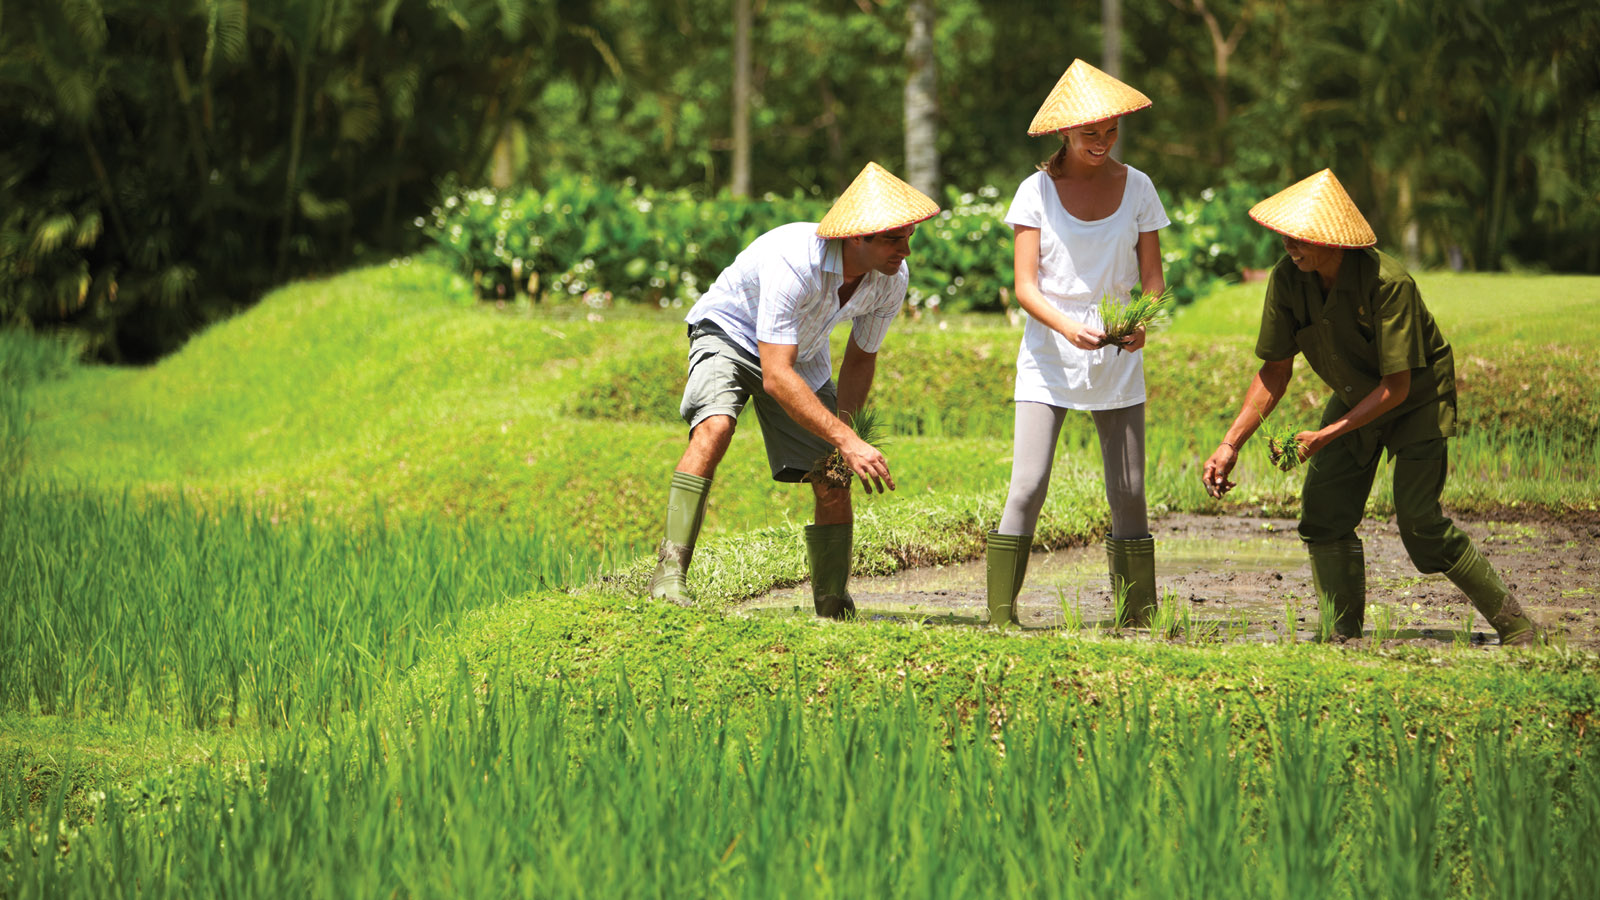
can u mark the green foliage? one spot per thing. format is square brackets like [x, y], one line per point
[662, 780]
[582, 240]
[229, 614]
[1213, 239]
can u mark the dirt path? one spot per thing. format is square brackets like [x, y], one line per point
[1239, 578]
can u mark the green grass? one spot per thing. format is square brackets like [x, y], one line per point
[244, 586]
[605, 787]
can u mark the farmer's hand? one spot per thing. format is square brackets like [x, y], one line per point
[1215, 474]
[1311, 442]
[868, 464]
[1084, 337]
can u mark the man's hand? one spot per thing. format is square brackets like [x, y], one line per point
[1311, 442]
[868, 464]
[1215, 474]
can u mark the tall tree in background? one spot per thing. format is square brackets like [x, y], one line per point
[741, 98]
[1111, 49]
[922, 101]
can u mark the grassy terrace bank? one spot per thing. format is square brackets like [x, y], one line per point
[371, 543]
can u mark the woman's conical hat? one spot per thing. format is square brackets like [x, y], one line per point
[1083, 96]
[876, 201]
[1318, 211]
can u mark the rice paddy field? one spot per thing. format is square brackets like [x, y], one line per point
[343, 600]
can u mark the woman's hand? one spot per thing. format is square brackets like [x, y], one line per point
[1083, 336]
[1134, 341]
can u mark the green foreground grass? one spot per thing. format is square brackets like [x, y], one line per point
[336, 562]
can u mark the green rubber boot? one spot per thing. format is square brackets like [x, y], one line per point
[1007, 561]
[686, 509]
[1339, 572]
[1478, 580]
[1132, 562]
[830, 550]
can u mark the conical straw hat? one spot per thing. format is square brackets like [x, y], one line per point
[876, 201]
[1318, 211]
[1083, 96]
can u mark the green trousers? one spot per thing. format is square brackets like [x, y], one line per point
[1339, 478]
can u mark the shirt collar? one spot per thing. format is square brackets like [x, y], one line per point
[833, 256]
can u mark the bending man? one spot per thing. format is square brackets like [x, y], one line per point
[1359, 320]
[761, 332]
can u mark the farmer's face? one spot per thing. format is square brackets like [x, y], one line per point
[885, 251]
[1311, 257]
[1092, 144]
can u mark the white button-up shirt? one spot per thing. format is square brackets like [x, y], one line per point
[784, 289]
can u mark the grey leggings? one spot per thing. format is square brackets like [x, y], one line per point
[1121, 449]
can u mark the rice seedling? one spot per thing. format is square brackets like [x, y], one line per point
[1072, 618]
[1171, 617]
[1120, 319]
[1283, 443]
[1327, 618]
[1384, 622]
[1290, 621]
[868, 425]
[1119, 603]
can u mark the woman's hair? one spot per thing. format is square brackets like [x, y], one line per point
[1056, 165]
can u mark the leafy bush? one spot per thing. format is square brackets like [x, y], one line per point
[1213, 239]
[584, 240]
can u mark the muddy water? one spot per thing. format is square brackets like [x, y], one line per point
[1223, 579]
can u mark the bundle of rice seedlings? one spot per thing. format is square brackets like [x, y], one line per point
[1283, 447]
[1121, 320]
[868, 426]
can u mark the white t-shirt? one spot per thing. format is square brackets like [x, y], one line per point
[784, 289]
[1079, 263]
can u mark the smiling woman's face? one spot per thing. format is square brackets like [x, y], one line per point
[1092, 143]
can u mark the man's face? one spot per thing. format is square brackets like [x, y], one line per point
[885, 251]
[1308, 257]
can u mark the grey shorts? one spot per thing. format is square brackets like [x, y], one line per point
[724, 376]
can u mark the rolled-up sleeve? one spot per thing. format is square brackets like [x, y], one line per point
[1276, 341]
[1401, 346]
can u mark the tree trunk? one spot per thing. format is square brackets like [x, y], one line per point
[741, 98]
[922, 102]
[1406, 214]
[502, 167]
[1111, 53]
[291, 178]
[107, 191]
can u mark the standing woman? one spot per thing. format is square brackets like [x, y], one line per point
[1085, 230]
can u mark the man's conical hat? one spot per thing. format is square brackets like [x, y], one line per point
[876, 201]
[1083, 96]
[1318, 211]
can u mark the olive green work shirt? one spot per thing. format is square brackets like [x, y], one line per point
[1372, 323]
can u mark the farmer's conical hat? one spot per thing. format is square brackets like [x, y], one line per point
[1318, 211]
[1083, 96]
[876, 201]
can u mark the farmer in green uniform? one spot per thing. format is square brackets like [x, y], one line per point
[1359, 321]
[761, 333]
